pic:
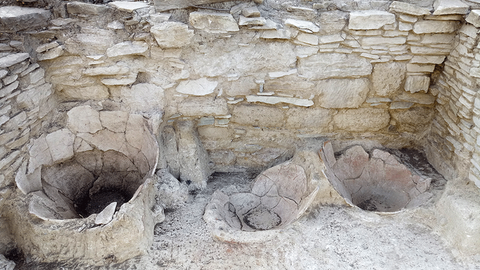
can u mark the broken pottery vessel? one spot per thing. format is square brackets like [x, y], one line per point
[377, 182]
[278, 196]
[88, 191]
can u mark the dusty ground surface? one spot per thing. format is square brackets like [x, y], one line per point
[328, 237]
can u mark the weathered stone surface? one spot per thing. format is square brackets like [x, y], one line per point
[106, 215]
[387, 78]
[370, 19]
[194, 161]
[332, 22]
[249, 59]
[84, 119]
[379, 41]
[277, 34]
[164, 5]
[115, 121]
[257, 116]
[427, 59]
[447, 7]
[144, 97]
[420, 68]
[407, 8]
[90, 41]
[201, 106]
[39, 154]
[119, 68]
[428, 27]
[331, 65]
[51, 54]
[96, 92]
[306, 39]
[363, 119]
[304, 26]
[12, 59]
[172, 34]
[128, 6]
[312, 118]
[213, 22]
[60, 144]
[200, 87]
[16, 18]
[418, 98]
[85, 8]
[128, 79]
[474, 18]
[253, 21]
[251, 12]
[419, 117]
[417, 83]
[276, 100]
[342, 93]
[170, 193]
[127, 48]
[5, 263]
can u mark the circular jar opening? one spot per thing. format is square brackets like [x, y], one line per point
[376, 182]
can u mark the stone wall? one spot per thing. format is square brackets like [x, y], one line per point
[258, 76]
[253, 81]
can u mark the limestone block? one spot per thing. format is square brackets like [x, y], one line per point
[387, 78]
[379, 41]
[329, 65]
[429, 27]
[277, 34]
[255, 57]
[275, 100]
[172, 34]
[362, 120]
[128, 6]
[116, 25]
[342, 93]
[96, 92]
[194, 161]
[16, 18]
[418, 117]
[311, 118]
[256, 115]
[84, 119]
[474, 18]
[169, 148]
[370, 19]
[200, 87]
[8, 89]
[402, 7]
[447, 7]
[119, 68]
[254, 21]
[201, 106]
[332, 22]
[306, 39]
[60, 144]
[39, 154]
[85, 8]
[51, 54]
[213, 22]
[143, 97]
[164, 5]
[127, 48]
[12, 59]
[417, 83]
[331, 38]
[438, 38]
[460, 212]
[251, 12]
[418, 98]
[420, 68]
[428, 50]
[427, 59]
[241, 87]
[90, 41]
[128, 79]
[304, 26]
[170, 193]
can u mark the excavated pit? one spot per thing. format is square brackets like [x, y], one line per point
[92, 189]
[378, 181]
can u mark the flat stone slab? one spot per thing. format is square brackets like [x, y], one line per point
[14, 18]
[128, 6]
[13, 59]
[162, 5]
[370, 19]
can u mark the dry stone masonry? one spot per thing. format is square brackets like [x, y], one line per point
[232, 86]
